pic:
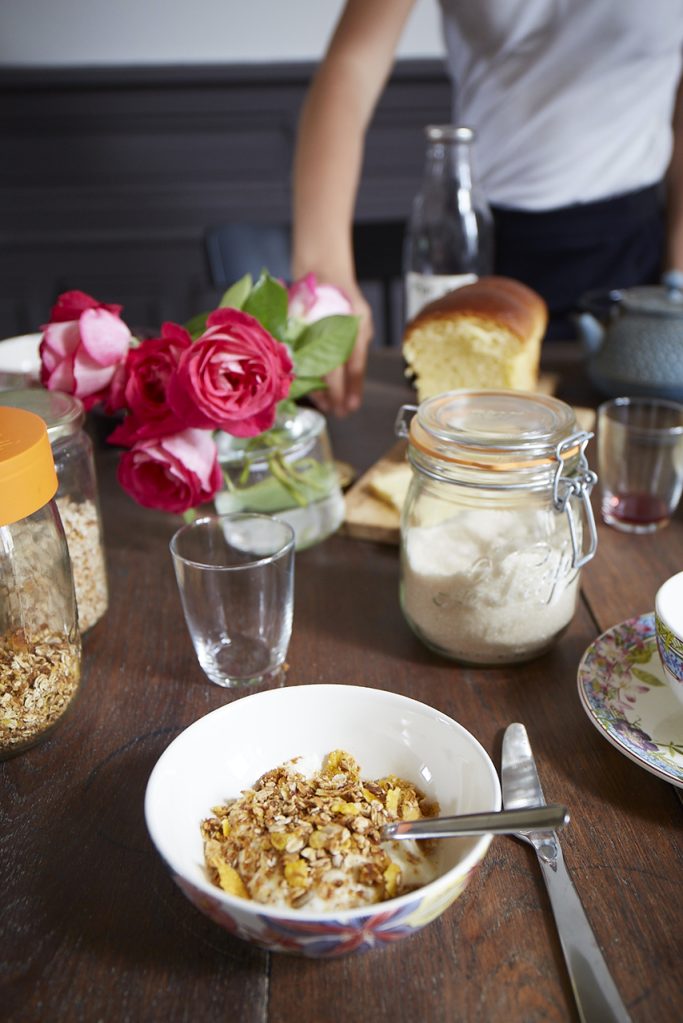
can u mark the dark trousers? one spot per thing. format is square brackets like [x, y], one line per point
[564, 253]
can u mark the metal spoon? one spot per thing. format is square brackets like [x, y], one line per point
[497, 822]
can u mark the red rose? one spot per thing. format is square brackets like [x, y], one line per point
[231, 378]
[143, 385]
[70, 305]
[173, 474]
[82, 347]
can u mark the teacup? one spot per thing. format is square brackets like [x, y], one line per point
[669, 626]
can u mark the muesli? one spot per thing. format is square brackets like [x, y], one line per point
[314, 842]
[82, 528]
[39, 677]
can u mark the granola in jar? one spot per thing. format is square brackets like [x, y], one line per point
[40, 644]
[77, 497]
[39, 676]
[84, 536]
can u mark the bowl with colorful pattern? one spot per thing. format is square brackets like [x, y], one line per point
[224, 754]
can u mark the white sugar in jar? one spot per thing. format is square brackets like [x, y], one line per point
[496, 525]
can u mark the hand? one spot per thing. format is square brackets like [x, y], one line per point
[344, 391]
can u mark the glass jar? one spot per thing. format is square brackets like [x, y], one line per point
[287, 471]
[492, 529]
[77, 496]
[40, 645]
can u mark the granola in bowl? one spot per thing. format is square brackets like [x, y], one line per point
[313, 840]
[223, 753]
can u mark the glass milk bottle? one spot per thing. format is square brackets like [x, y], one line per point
[449, 238]
[496, 525]
[40, 644]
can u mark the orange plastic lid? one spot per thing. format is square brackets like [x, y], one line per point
[27, 470]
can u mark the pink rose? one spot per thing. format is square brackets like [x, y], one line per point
[310, 301]
[81, 355]
[172, 474]
[142, 388]
[232, 377]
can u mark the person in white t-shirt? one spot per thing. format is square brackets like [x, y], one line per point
[578, 111]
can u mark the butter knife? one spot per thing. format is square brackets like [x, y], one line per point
[596, 995]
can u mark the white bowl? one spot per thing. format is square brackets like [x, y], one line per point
[669, 630]
[20, 355]
[229, 749]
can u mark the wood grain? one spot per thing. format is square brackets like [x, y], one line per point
[94, 928]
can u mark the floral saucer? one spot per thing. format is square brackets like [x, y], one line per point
[623, 691]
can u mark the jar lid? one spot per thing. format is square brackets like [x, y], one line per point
[498, 430]
[63, 414]
[27, 470]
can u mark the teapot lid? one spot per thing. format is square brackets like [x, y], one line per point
[655, 299]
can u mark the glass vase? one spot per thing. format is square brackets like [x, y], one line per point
[287, 471]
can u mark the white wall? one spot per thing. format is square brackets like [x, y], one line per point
[95, 32]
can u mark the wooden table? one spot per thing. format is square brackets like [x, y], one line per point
[92, 926]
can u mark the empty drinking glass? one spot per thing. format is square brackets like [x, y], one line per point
[236, 579]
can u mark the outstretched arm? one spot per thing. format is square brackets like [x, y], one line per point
[328, 161]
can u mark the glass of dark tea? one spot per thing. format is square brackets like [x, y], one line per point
[640, 462]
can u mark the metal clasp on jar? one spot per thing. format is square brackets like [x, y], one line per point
[402, 421]
[579, 484]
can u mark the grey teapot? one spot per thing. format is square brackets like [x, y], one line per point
[634, 339]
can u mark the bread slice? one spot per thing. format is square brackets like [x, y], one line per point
[390, 484]
[486, 334]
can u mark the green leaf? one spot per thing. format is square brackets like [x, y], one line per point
[267, 301]
[236, 295]
[302, 385]
[197, 325]
[324, 345]
[646, 677]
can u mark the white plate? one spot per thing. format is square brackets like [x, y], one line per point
[623, 691]
[20, 355]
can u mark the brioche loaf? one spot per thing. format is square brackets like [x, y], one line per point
[486, 334]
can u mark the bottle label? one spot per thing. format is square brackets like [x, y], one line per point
[424, 288]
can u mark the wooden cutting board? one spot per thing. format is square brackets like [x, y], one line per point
[371, 518]
[368, 517]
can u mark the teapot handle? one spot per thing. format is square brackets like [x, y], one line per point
[601, 303]
[673, 282]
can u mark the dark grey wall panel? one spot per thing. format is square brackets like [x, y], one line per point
[110, 177]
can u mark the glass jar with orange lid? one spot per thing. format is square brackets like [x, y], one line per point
[40, 645]
[496, 525]
[77, 495]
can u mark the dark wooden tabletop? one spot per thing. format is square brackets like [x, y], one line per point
[92, 926]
